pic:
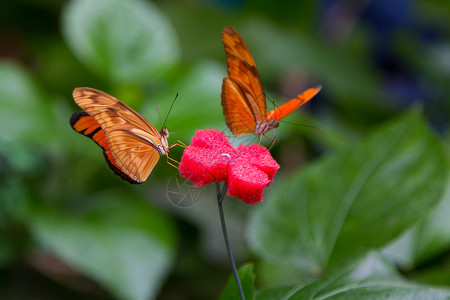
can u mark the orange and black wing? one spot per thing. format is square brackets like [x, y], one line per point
[243, 98]
[86, 125]
[132, 140]
[287, 108]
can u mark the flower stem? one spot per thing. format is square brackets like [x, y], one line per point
[220, 197]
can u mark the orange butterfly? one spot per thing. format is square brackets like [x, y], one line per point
[243, 98]
[131, 145]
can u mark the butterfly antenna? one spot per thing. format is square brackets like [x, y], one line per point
[292, 123]
[159, 113]
[170, 109]
[273, 102]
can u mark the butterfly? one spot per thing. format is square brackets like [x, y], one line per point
[243, 98]
[131, 145]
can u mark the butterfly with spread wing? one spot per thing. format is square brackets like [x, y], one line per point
[131, 145]
[243, 98]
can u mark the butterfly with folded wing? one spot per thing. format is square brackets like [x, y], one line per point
[131, 145]
[243, 98]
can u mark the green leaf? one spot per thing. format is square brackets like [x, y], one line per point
[126, 246]
[437, 225]
[361, 198]
[384, 290]
[370, 269]
[24, 111]
[437, 274]
[275, 274]
[247, 278]
[433, 234]
[123, 41]
[275, 293]
[372, 278]
[425, 240]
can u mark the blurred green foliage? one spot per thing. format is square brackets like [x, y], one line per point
[247, 278]
[365, 221]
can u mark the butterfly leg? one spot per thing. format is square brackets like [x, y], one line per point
[178, 143]
[171, 162]
[274, 138]
[260, 138]
[185, 142]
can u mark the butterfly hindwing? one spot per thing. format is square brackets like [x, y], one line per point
[131, 138]
[135, 151]
[238, 115]
[86, 125]
[287, 108]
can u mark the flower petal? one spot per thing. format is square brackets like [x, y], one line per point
[246, 182]
[250, 173]
[259, 157]
[206, 159]
[212, 158]
[213, 139]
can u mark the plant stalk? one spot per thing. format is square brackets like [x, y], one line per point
[220, 197]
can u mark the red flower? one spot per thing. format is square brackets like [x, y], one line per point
[211, 158]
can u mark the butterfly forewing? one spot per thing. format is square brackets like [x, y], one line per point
[287, 108]
[130, 137]
[243, 72]
[109, 111]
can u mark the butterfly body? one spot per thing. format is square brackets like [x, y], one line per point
[131, 145]
[243, 99]
[163, 149]
[262, 127]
